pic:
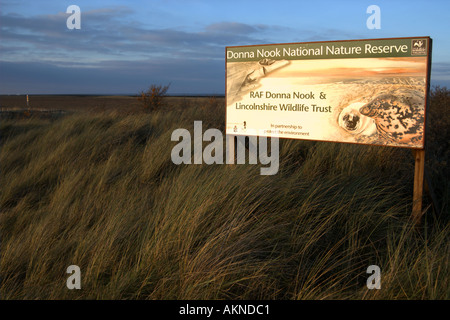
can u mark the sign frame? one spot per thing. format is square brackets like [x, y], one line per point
[418, 152]
[426, 54]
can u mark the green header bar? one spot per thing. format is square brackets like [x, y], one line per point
[378, 48]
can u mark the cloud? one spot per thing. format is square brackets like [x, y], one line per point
[113, 54]
[111, 33]
[441, 69]
[112, 77]
[440, 74]
[234, 28]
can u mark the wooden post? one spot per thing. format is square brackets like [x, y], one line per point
[230, 148]
[419, 156]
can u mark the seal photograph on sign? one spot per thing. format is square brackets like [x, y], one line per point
[399, 117]
[392, 114]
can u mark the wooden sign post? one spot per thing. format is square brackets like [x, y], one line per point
[419, 156]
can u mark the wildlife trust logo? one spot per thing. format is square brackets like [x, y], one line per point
[418, 47]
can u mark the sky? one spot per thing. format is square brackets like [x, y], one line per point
[123, 46]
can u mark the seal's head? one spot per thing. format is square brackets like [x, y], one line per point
[353, 122]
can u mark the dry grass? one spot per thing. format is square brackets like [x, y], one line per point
[100, 191]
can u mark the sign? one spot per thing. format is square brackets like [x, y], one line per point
[358, 91]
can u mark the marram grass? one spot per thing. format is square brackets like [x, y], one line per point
[100, 191]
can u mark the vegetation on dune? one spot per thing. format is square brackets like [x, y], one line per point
[100, 191]
[153, 98]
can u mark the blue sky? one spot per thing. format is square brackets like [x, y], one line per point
[124, 46]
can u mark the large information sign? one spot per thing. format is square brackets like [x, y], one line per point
[357, 91]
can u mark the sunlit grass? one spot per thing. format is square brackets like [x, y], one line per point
[101, 192]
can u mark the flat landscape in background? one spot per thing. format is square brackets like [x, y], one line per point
[92, 184]
[87, 103]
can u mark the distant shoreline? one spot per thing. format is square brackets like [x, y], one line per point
[176, 95]
[92, 102]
